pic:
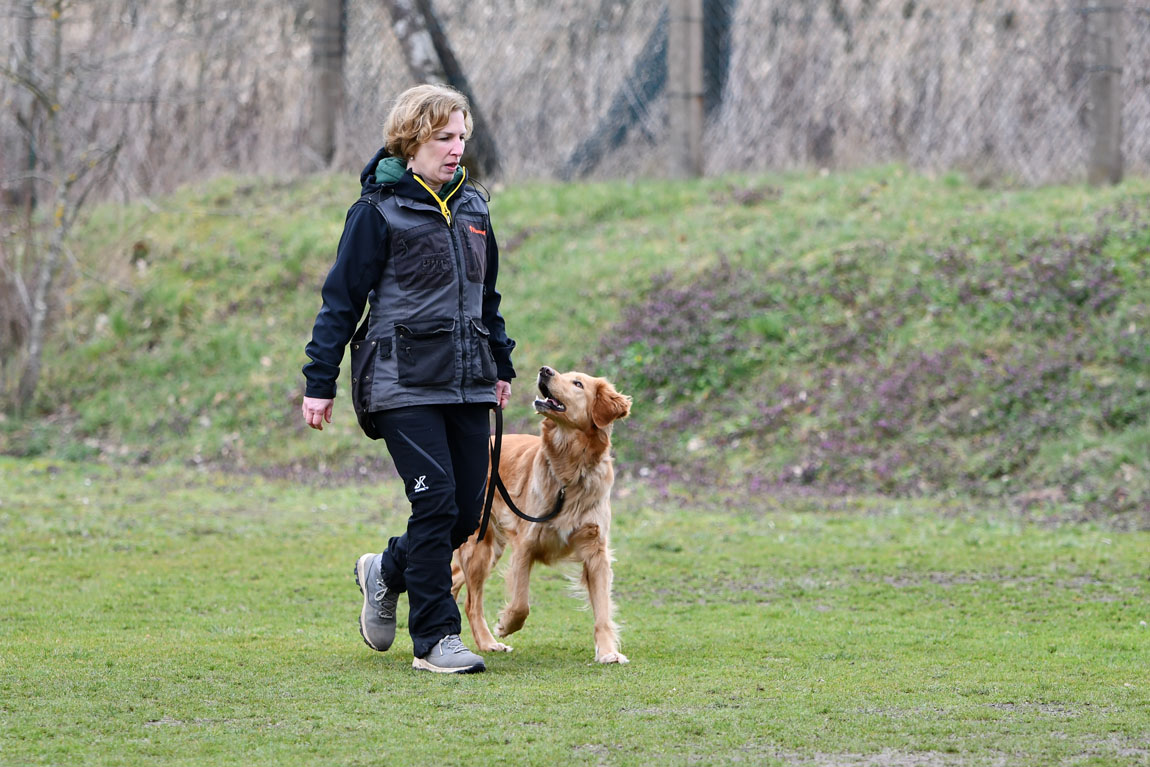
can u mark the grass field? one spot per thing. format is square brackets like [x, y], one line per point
[161, 616]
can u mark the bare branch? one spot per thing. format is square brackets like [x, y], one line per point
[108, 158]
[27, 84]
[33, 175]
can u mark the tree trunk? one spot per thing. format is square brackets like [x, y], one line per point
[327, 52]
[38, 322]
[430, 59]
[27, 106]
[647, 79]
[50, 261]
[410, 26]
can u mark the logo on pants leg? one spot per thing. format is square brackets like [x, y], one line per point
[420, 484]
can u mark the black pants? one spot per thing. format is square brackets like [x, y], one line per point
[441, 452]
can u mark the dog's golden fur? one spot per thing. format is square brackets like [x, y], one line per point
[573, 451]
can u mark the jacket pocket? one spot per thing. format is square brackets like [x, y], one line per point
[423, 258]
[475, 239]
[364, 353]
[425, 352]
[483, 367]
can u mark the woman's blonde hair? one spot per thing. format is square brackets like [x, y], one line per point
[418, 113]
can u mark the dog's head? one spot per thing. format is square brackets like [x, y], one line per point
[579, 400]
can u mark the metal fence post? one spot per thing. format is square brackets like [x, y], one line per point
[1104, 27]
[685, 87]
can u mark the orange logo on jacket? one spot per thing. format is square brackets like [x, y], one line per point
[481, 232]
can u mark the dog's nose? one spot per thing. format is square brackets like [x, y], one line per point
[546, 372]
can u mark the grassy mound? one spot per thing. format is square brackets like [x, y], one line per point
[1016, 371]
[873, 331]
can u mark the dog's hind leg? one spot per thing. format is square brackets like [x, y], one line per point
[597, 577]
[457, 578]
[476, 560]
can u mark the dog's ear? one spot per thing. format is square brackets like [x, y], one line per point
[609, 406]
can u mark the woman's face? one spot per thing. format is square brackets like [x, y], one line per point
[437, 158]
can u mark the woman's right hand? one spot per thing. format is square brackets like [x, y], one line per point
[316, 410]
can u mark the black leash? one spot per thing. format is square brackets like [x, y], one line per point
[497, 481]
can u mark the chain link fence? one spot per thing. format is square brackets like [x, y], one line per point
[578, 89]
[997, 89]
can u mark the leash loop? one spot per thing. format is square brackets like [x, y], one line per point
[496, 481]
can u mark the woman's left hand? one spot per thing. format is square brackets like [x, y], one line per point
[502, 393]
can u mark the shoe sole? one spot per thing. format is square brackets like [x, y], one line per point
[422, 665]
[360, 571]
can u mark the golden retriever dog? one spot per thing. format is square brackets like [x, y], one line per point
[573, 453]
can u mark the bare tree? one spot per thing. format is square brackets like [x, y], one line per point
[59, 178]
[430, 59]
[327, 47]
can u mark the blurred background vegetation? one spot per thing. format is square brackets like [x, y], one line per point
[885, 276]
[874, 331]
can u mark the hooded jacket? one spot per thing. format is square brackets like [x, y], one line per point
[426, 265]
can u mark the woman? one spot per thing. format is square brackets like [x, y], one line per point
[418, 247]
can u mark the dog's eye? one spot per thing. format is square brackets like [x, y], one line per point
[578, 383]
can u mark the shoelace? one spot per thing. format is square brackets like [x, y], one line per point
[451, 643]
[379, 595]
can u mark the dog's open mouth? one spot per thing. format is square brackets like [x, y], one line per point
[547, 401]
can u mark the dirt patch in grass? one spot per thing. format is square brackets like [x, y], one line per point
[886, 758]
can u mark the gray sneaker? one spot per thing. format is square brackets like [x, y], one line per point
[449, 656]
[377, 618]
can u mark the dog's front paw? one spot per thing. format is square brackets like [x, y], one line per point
[491, 645]
[612, 657]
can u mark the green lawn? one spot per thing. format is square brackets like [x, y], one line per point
[175, 616]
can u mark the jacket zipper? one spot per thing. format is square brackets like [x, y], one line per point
[460, 274]
[442, 202]
[464, 329]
